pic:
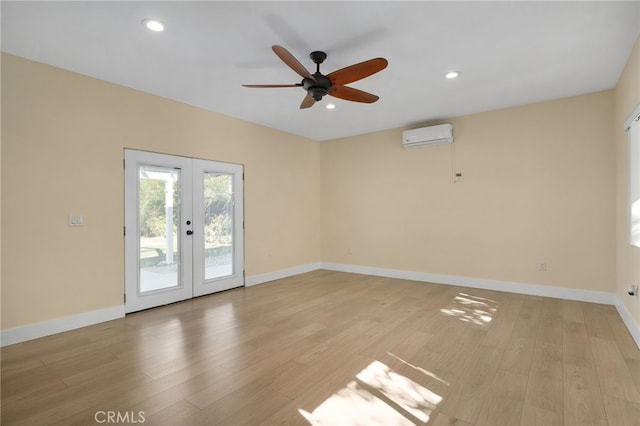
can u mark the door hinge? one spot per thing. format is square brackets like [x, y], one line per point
[123, 163]
[125, 298]
[124, 231]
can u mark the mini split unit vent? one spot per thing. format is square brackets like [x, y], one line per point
[428, 136]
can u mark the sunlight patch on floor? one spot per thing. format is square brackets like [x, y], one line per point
[420, 369]
[378, 396]
[472, 309]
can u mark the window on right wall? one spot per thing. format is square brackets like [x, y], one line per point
[632, 127]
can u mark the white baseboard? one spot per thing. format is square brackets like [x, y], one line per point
[627, 318]
[282, 273]
[34, 331]
[47, 328]
[483, 283]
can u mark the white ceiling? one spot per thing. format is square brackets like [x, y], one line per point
[510, 53]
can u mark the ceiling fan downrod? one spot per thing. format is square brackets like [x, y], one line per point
[321, 85]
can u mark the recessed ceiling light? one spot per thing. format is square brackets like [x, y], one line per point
[452, 74]
[330, 106]
[153, 25]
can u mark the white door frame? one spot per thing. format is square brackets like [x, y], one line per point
[191, 237]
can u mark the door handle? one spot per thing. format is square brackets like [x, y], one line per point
[189, 232]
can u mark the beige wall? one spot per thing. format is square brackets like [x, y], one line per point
[63, 137]
[538, 187]
[627, 96]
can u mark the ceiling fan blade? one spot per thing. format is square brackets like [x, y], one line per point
[291, 61]
[271, 85]
[351, 94]
[357, 71]
[307, 102]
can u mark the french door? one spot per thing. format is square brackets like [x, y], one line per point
[183, 228]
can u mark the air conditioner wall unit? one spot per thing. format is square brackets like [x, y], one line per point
[428, 136]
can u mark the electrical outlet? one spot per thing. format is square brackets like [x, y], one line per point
[542, 267]
[76, 219]
[458, 177]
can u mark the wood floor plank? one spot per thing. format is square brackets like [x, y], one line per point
[333, 364]
[504, 404]
[81, 418]
[543, 400]
[534, 416]
[576, 346]
[572, 311]
[247, 405]
[444, 420]
[156, 397]
[388, 335]
[622, 412]
[501, 326]
[582, 401]
[270, 369]
[519, 350]
[170, 415]
[634, 368]
[623, 338]
[446, 370]
[626, 344]
[310, 388]
[550, 328]
[469, 394]
[377, 350]
[69, 402]
[596, 320]
[613, 374]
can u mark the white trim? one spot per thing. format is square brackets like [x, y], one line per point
[506, 286]
[627, 318]
[635, 115]
[47, 328]
[34, 331]
[282, 273]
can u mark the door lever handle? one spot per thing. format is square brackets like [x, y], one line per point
[189, 232]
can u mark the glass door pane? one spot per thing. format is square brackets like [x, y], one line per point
[159, 216]
[158, 236]
[218, 253]
[218, 225]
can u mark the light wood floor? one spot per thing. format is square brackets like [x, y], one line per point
[334, 348]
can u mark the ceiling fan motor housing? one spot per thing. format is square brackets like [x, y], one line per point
[317, 88]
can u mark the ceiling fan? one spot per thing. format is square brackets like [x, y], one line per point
[317, 84]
